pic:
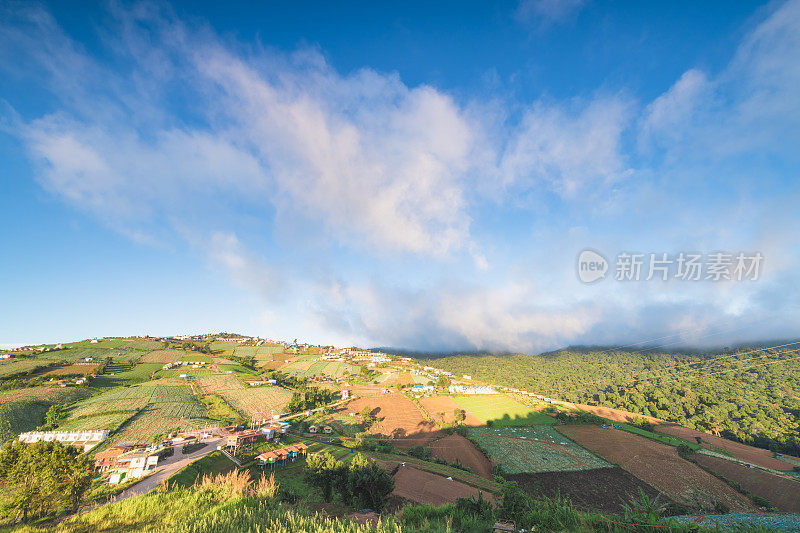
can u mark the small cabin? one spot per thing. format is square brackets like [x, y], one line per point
[327, 429]
[313, 429]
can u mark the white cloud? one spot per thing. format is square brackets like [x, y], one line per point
[751, 106]
[567, 151]
[183, 137]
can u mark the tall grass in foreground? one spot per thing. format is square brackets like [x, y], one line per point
[232, 503]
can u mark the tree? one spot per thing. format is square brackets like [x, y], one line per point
[366, 416]
[459, 415]
[45, 476]
[324, 471]
[368, 483]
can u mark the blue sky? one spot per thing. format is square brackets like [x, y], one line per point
[422, 175]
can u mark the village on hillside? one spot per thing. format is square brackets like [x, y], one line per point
[151, 411]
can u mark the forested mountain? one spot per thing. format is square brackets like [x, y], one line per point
[749, 394]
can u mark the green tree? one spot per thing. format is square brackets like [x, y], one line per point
[368, 483]
[44, 477]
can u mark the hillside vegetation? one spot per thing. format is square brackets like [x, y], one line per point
[233, 503]
[752, 396]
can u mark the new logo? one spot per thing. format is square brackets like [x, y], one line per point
[591, 266]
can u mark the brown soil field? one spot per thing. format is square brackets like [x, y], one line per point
[401, 420]
[757, 456]
[455, 447]
[600, 489]
[442, 408]
[77, 369]
[782, 492]
[617, 415]
[423, 487]
[401, 379]
[365, 390]
[660, 466]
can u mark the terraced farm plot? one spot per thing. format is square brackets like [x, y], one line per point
[397, 418]
[259, 352]
[341, 423]
[783, 492]
[97, 354]
[443, 408]
[660, 466]
[110, 421]
[600, 489]
[162, 418]
[246, 400]
[337, 369]
[501, 410]
[424, 487]
[534, 449]
[757, 456]
[227, 347]
[45, 393]
[269, 400]
[454, 448]
[165, 356]
[18, 366]
[77, 369]
[311, 368]
[142, 344]
[218, 383]
[130, 399]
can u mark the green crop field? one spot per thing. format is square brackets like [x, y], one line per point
[246, 400]
[17, 366]
[270, 400]
[310, 368]
[129, 399]
[342, 424]
[158, 419]
[534, 449]
[501, 410]
[142, 344]
[218, 383]
[23, 409]
[259, 352]
[166, 356]
[226, 347]
[110, 421]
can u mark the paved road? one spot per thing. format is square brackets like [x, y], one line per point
[167, 469]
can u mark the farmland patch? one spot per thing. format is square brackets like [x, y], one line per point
[443, 408]
[455, 448]
[600, 489]
[424, 487]
[501, 410]
[76, 369]
[757, 456]
[660, 466]
[397, 418]
[781, 491]
[533, 449]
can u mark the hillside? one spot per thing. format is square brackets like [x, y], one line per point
[448, 453]
[751, 395]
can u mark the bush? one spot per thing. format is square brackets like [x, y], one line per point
[420, 453]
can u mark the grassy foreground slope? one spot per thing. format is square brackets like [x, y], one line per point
[750, 395]
[234, 503]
